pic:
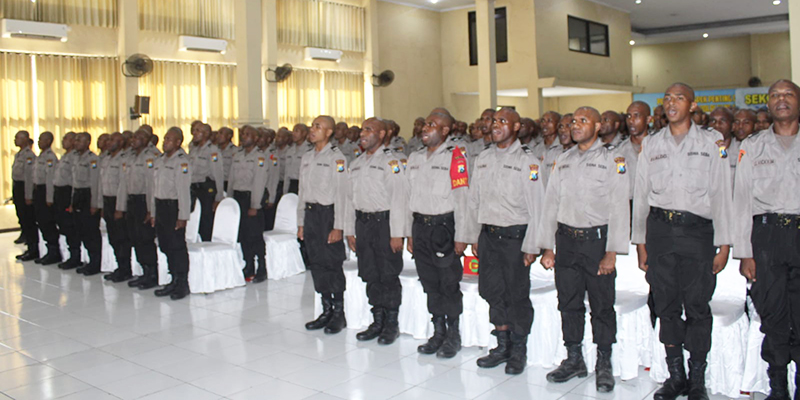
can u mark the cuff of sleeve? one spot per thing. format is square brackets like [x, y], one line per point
[531, 250]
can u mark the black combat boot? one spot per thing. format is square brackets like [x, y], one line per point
[150, 277]
[327, 313]
[391, 328]
[571, 367]
[167, 290]
[439, 332]
[499, 354]
[374, 329]
[337, 321]
[603, 374]
[452, 342]
[182, 288]
[676, 385]
[53, 257]
[778, 383]
[519, 354]
[697, 381]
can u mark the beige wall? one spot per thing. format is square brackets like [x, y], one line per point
[719, 63]
[564, 105]
[553, 55]
[409, 40]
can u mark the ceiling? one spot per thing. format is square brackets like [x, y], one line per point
[556, 91]
[660, 21]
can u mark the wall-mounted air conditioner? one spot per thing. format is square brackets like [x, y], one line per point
[314, 53]
[194, 43]
[14, 28]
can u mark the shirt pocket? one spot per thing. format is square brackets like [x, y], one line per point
[82, 173]
[765, 184]
[659, 181]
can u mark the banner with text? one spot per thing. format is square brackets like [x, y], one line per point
[708, 100]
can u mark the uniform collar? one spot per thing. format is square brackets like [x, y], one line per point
[513, 147]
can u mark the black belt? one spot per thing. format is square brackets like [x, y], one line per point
[200, 185]
[506, 232]
[316, 206]
[370, 216]
[81, 189]
[40, 185]
[433, 219]
[136, 196]
[167, 201]
[677, 217]
[779, 220]
[583, 234]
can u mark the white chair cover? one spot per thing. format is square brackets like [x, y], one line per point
[217, 265]
[283, 250]
[726, 360]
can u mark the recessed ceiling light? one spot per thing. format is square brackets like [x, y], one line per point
[434, 1]
[705, 35]
[638, 1]
[776, 2]
[632, 42]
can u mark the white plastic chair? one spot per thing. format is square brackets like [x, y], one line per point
[283, 251]
[217, 265]
[192, 236]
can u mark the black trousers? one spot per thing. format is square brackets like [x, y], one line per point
[776, 291]
[62, 200]
[88, 225]
[325, 259]
[294, 186]
[269, 214]
[117, 233]
[251, 234]
[206, 192]
[142, 235]
[439, 268]
[378, 266]
[577, 263]
[171, 241]
[503, 280]
[25, 215]
[680, 261]
[46, 218]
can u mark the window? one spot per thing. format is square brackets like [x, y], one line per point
[501, 37]
[587, 36]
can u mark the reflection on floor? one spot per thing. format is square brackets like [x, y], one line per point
[66, 336]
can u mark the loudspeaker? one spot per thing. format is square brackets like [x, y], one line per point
[141, 105]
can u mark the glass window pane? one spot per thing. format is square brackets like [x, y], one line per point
[598, 35]
[577, 35]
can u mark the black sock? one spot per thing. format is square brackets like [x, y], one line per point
[674, 351]
[697, 357]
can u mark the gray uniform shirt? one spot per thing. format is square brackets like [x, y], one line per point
[431, 189]
[249, 173]
[22, 170]
[227, 159]
[207, 162]
[540, 149]
[549, 160]
[171, 180]
[733, 156]
[630, 151]
[86, 174]
[273, 175]
[506, 190]
[323, 180]
[767, 181]
[153, 148]
[415, 144]
[692, 176]
[63, 174]
[378, 183]
[283, 157]
[45, 171]
[398, 144]
[587, 190]
[135, 175]
[111, 171]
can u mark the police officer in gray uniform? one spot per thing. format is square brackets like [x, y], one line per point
[228, 149]
[169, 196]
[681, 217]
[22, 192]
[62, 201]
[549, 130]
[375, 227]
[249, 174]
[321, 220]
[208, 178]
[587, 219]
[133, 208]
[506, 197]
[767, 230]
[85, 197]
[111, 170]
[43, 194]
[438, 190]
[293, 156]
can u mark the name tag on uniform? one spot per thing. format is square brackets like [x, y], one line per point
[93, 164]
[621, 167]
[534, 175]
[339, 165]
[260, 161]
[185, 168]
[395, 166]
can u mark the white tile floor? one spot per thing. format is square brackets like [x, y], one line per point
[66, 336]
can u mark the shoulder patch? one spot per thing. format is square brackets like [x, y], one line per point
[340, 166]
[49, 163]
[723, 150]
[93, 164]
[274, 160]
[534, 175]
[214, 157]
[260, 161]
[149, 163]
[185, 168]
[404, 162]
[395, 166]
[621, 166]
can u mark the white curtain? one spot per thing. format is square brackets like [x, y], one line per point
[16, 110]
[299, 97]
[206, 18]
[175, 96]
[221, 95]
[101, 13]
[344, 96]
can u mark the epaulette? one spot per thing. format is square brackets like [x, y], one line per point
[333, 147]
[609, 146]
[449, 148]
[486, 146]
[387, 151]
[526, 149]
